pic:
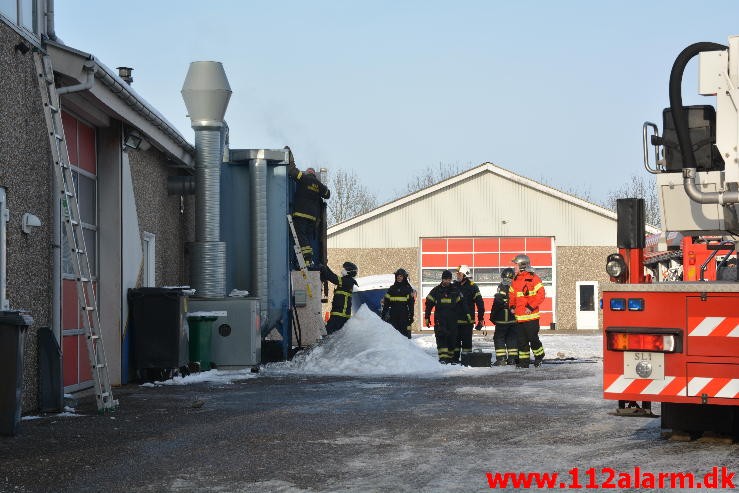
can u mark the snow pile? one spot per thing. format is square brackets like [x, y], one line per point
[211, 376]
[365, 346]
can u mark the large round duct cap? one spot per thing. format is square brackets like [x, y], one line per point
[206, 93]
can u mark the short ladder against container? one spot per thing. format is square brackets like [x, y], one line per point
[299, 255]
[75, 239]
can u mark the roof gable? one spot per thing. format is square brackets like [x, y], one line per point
[471, 173]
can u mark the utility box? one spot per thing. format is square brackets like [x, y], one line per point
[159, 329]
[236, 339]
[309, 326]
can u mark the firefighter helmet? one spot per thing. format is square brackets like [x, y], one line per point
[447, 274]
[402, 272]
[349, 269]
[465, 270]
[507, 275]
[523, 261]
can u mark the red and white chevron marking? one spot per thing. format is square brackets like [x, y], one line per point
[713, 387]
[715, 327]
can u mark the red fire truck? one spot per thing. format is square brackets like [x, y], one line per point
[677, 342]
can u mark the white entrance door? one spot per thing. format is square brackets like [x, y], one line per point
[587, 303]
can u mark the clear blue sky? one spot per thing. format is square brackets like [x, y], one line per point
[554, 90]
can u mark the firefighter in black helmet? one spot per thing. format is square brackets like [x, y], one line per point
[307, 205]
[506, 344]
[341, 305]
[398, 304]
[447, 300]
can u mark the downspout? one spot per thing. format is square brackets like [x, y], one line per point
[90, 68]
[50, 30]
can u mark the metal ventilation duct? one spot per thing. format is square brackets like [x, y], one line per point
[260, 280]
[206, 93]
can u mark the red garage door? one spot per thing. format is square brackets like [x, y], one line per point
[83, 158]
[487, 256]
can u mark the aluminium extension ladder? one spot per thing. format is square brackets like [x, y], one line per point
[74, 235]
[299, 255]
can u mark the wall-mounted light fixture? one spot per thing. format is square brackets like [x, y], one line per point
[28, 222]
[133, 139]
[22, 48]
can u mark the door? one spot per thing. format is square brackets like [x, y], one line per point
[586, 299]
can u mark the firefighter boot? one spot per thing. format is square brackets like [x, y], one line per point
[501, 361]
[512, 360]
[465, 359]
[538, 360]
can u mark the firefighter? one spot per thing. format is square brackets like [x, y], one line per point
[472, 298]
[307, 206]
[501, 315]
[341, 305]
[448, 304]
[398, 304]
[526, 295]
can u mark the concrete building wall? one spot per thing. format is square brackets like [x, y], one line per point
[160, 214]
[26, 174]
[579, 263]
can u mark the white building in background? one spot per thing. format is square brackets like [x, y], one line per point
[483, 217]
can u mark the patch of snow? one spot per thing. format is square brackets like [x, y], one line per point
[207, 314]
[211, 376]
[29, 418]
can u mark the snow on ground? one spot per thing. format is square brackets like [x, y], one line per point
[211, 376]
[368, 346]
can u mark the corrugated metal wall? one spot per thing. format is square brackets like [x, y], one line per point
[483, 205]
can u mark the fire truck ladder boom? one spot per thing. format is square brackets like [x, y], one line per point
[73, 234]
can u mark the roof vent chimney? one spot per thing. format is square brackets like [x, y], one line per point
[125, 73]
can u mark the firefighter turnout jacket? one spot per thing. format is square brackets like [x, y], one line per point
[341, 305]
[526, 293]
[308, 195]
[472, 298]
[449, 305]
[501, 312]
[399, 302]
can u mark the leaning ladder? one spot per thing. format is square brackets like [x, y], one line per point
[299, 255]
[75, 239]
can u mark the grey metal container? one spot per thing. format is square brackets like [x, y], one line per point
[236, 340]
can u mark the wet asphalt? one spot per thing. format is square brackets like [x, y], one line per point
[294, 434]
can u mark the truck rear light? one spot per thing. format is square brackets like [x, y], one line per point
[623, 341]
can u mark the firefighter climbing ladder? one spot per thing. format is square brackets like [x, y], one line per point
[74, 234]
[299, 255]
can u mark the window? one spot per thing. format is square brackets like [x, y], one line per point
[23, 13]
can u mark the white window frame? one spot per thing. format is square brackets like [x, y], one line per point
[149, 260]
[37, 27]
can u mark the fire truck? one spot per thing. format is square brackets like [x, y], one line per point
[676, 341]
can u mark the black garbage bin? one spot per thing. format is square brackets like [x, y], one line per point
[158, 330]
[13, 325]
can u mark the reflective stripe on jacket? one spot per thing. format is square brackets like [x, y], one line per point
[526, 291]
